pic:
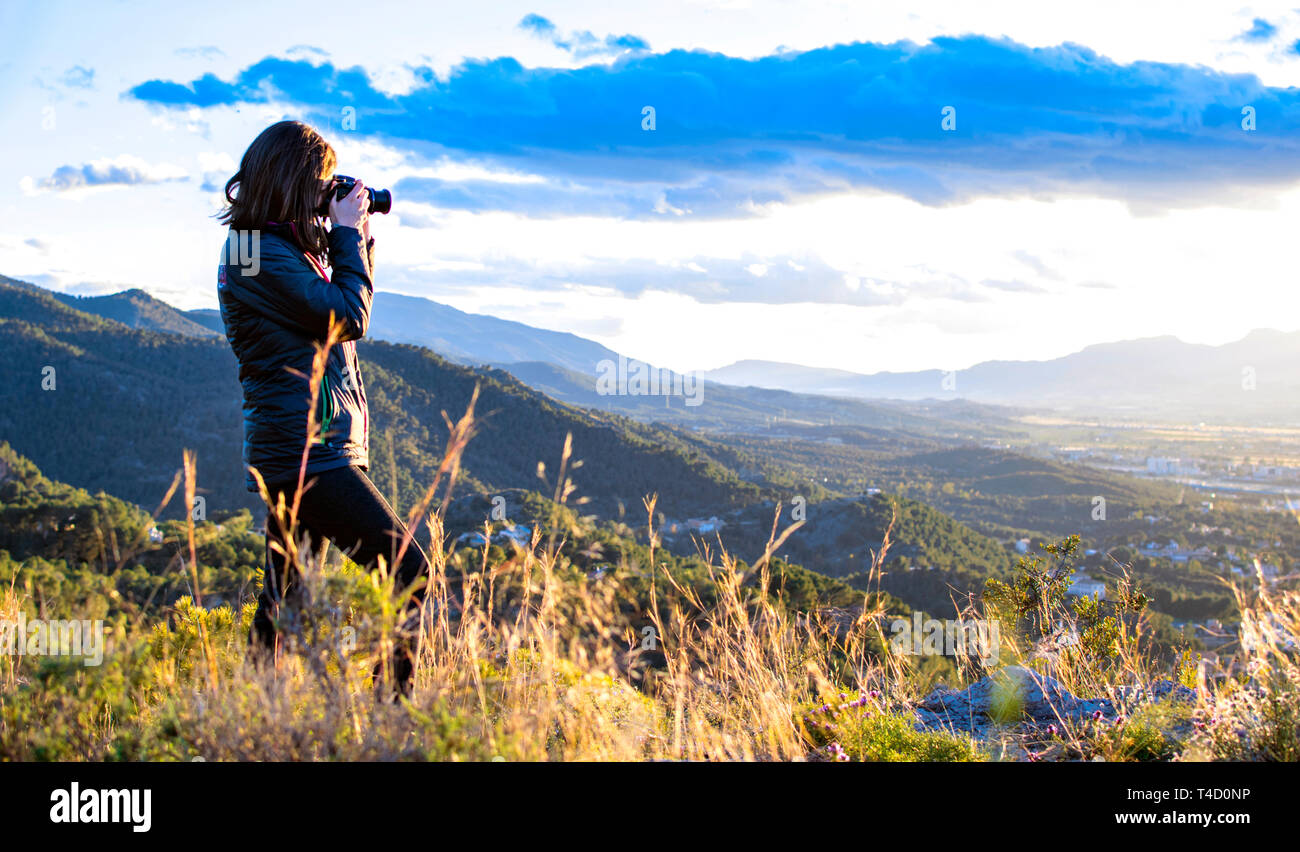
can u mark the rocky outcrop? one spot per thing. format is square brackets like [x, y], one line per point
[1017, 695]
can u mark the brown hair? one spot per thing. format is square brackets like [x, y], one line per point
[279, 180]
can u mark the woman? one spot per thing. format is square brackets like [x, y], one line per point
[277, 302]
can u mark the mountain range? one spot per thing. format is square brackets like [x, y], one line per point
[1157, 376]
[1247, 380]
[563, 366]
[137, 309]
[108, 407]
[478, 338]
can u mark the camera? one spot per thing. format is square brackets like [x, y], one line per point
[381, 200]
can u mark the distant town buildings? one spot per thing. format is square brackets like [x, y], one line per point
[1274, 471]
[705, 525]
[515, 533]
[693, 525]
[1083, 586]
[1165, 466]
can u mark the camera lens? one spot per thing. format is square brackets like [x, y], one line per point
[381, 200]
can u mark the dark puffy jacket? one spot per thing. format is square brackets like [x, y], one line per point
[276, 304]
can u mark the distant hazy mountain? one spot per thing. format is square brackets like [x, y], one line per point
[756, 409]
[209, 318]
[1252, 377]
[137, 309]
[792, 377]
[477, 338]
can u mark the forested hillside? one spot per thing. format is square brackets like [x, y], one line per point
[137, 309]
[107, 407]
[931, 557]
[68, 550]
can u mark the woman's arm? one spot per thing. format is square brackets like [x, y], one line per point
[288, 290]
[370, 247]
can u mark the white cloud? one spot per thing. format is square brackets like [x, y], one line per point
[108, 173]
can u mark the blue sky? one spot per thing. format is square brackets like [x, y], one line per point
[827, 183]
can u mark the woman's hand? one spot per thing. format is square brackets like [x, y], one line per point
[350, 210]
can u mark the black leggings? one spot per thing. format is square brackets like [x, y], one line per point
[342, 506]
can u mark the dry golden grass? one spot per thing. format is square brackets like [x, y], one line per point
[531, 660]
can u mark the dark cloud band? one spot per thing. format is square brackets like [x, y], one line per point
[731, 133]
